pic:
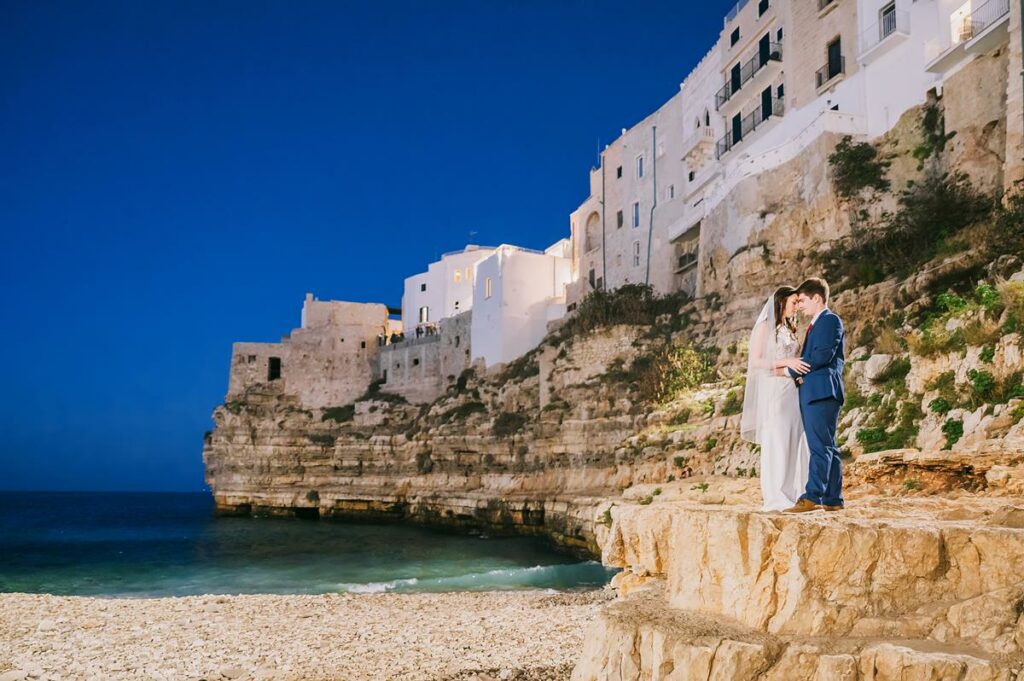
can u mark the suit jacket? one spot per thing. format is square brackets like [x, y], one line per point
[823, 351]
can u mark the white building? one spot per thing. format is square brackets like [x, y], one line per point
[444, 290]
[781, 74]
[517, 292]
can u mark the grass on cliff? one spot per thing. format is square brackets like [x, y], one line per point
[665, 373]
[632, 304]
[930, 219]
[856, 166]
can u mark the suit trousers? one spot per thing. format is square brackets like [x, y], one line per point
[825, 477]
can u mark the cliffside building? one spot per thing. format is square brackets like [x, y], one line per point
[781, 75]
[329, 360]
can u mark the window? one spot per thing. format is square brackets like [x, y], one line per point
[707, 118]
[778, 35]
[362, 344]
[590, 278]
[423, 287]
[424, 314]
[252, 358]
[887, 20]
[456, 306]
[762, 7]
[385, 376]
[737, 129]
[835, 58]
[600, 282]
[618, 172]
[415, 361]
[636, 214]
[274, 369]
[458, 276]
[457, 341]
[488, 290]
[691, 175]
[735, 37]
[780, 91]
[636, 254]
[640, 166]
[670, 193]
[618, 219]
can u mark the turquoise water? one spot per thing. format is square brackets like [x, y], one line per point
[141, 544]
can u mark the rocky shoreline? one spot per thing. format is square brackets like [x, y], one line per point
[511, 635]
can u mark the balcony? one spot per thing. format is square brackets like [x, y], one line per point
[748, 70]
[892, 29]
[700, 138]
[972, 32]
[829, 74]
[826, 6]
[748, 124]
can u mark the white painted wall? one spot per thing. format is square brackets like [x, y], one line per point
[447, 293]
[527, 291]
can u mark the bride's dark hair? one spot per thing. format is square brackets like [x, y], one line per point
[781, 295]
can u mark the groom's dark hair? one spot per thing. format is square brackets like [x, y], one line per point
[814, 287]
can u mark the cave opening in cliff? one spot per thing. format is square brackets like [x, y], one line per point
[307, 512]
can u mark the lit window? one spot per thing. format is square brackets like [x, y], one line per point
[487, 287]
[639, 166]
[469, 271]
[458, 276]
[424, 314]
[636, 254]
[636, 214]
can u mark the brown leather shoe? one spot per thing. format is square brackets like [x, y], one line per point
[833, 508]
[803, 506]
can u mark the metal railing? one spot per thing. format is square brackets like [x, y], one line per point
[980, 19]
[748, 70]
[749, 124]
[896, 21]
[832, 69]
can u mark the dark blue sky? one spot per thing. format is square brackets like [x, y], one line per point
[174, 176]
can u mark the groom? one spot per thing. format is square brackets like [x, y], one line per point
[821, 397]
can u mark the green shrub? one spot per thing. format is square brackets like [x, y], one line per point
[679, 461]
[322, 439]
[733, 403]
[646, 501]
[339, 414]
[987, 296]
[710, 444]
[703, 487]
[1018, 413]
[987, 354]
[508, 423]
[633, 304]
[870, 436]
[940, 405]
[950, 302]
[911, 484]
[930, 213]
[606, 517]
[982, 383]
[856, 166]
[894, 375]
[463, 411]
[657, 491]
[953, 429]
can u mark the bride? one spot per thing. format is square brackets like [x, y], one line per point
[771, 407]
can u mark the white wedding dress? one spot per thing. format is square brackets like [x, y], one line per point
[771, 414]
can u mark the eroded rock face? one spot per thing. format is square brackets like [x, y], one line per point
[725, 592]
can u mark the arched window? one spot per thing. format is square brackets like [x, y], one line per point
[592, 232]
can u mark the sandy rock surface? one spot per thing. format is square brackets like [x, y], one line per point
[517, 636]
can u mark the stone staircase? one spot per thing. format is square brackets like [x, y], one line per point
[900, 588]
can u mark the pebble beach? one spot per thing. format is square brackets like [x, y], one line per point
[507, 635]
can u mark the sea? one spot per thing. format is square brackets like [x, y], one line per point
[129, 544]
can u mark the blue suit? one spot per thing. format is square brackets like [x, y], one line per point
[821, 397]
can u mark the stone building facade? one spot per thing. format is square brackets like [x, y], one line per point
[328, 361]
